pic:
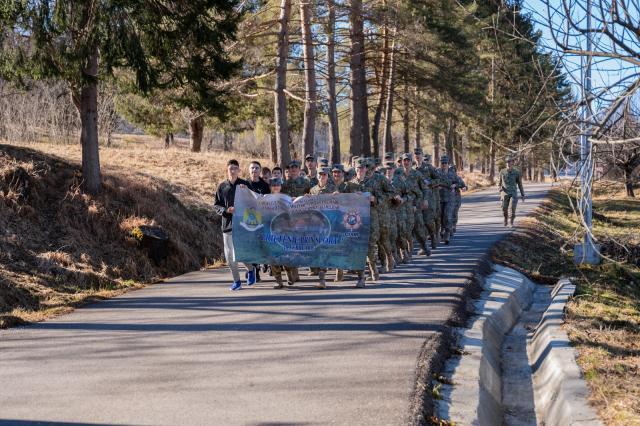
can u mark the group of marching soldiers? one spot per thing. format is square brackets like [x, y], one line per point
[411, 200]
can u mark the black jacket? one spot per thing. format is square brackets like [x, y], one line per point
[260, 187]
[224, 199]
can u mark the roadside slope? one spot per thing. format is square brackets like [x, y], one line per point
[59, 247]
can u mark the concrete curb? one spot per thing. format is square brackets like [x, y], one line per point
[560, 391]
[476, 394]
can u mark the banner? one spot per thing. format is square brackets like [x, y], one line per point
[324, 231]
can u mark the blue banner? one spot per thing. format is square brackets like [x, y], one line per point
[324, 231]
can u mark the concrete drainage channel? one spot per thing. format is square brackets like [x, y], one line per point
[515, 366]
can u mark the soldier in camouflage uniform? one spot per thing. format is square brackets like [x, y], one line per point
[415, 183]
[394, 211]
[405, 215]
[342, 186]
[312, 169]
[323, 187]
[447, 185]
[457, 197]
[509, 182]
[364, 184]
[379, 189]
[295, 186]
[430, 178]
[387, 193]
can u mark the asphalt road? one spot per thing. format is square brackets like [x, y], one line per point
[190, 352]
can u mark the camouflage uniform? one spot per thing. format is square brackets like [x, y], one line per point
[430, 180]
[509, 182]
[416, 184]
[329, 188]
[446, 201]
[378, 187]
[295, 187]
[405, 216]
[394, 210]
[457, 200]
[313, 179]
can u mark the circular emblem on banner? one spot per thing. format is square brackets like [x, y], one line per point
[251, 220]
[352, 220]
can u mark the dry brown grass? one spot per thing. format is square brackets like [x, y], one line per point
[191, 177]
[60, 248]
[603, 320]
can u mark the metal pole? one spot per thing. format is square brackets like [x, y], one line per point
[588, 252]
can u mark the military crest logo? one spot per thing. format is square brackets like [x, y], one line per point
[352, 220]
[251, 220]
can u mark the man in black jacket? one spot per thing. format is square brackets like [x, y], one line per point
[223, 205]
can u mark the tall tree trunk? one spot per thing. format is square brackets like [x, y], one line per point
[405, 119]
[359, 133]
[388, 113]
[196, 127]
[436, 147]
[449, 139]
[86, 103]
[483, 165]
[310, 107]
[280, 104]
[377, 118]
[273, 146]
[334, 130]
[418, 123]
[492, 162]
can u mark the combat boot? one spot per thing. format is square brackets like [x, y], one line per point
[291, 278]
[321, 281]
[513, 217]
[279, 283]
[506, 218]
[339, 275]
[427, 250]
[360, 282]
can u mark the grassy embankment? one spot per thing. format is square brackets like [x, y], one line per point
[60, 248]
[603, 320]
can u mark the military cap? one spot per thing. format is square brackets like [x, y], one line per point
[376, 161]
[338, 167]
[294, 163]
[417, 151]
[362, 162]
[323, 161]
[309, 157]
[454, 168]
[325, 170]
[427, 156]
[275, 181]
[406, 156]
[389, 165]
[444, 159]
[389, 155]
